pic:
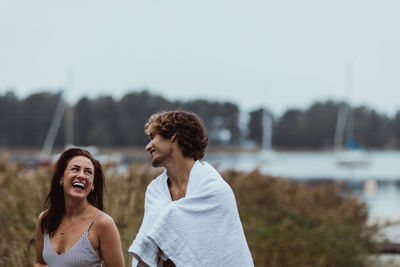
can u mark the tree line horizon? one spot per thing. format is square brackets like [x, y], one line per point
[105, 121]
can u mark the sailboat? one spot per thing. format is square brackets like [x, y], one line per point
[45, 157]
[347, 151]
[63, 110]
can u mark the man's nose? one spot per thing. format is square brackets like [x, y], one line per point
[148, 147]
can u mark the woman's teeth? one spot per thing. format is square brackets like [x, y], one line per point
[79, 185]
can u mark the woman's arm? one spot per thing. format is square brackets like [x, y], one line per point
[109, 242]
[39, 244]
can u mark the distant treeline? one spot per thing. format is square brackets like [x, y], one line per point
[105, 121]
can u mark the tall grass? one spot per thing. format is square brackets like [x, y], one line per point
[286, 224]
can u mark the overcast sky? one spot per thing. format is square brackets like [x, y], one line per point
[277, 54]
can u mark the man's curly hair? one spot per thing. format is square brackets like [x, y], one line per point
[190, 132]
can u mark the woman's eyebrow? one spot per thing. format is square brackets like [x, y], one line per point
[78, 166]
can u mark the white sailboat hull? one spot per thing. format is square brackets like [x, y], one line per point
[352, 158]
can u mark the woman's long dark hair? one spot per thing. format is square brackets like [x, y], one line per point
[55, 203]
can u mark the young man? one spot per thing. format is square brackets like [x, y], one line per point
[191, 217]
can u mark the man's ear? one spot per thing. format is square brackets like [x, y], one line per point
[173, 138]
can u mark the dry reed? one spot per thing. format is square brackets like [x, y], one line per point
[286, 224]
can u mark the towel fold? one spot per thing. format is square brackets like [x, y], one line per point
[201, 229]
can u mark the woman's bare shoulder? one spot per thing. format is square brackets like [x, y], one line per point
[104, 221]
[41, 215]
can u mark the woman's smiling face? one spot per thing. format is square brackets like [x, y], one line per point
[78, 177]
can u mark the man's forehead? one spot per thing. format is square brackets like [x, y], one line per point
[153, 133]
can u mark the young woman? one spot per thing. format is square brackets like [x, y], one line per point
[74, 230]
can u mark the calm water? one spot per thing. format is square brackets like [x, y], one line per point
[312, 165]
[377, 182]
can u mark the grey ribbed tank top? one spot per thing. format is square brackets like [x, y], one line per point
[80, 254]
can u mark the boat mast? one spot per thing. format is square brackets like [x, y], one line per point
[69, 115]
[345, 122]
[54, 126]
[62, 107]
[266, 142]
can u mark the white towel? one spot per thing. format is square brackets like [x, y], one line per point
[201, 229]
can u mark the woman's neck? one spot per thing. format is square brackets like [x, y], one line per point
[75, 208]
